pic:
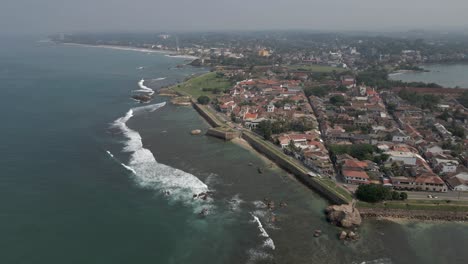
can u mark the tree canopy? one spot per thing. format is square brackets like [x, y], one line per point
[359, 151]
[203, 100]
[373, 193]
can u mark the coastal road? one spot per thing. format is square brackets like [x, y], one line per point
[450, 195]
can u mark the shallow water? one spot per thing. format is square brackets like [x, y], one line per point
[447, 75]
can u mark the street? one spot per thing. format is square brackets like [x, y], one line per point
[450, 195]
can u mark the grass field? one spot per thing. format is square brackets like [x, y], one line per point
[316, 68]
[194, 86]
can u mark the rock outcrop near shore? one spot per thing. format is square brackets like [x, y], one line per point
[142, 98]
[195, 132]
[345, 215]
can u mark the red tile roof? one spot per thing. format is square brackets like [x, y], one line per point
[429, 179]
[250, 116]
[355, 164]
[356, 174]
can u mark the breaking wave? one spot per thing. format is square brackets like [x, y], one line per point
[109, 153]
[375, 261]
[257, 255]
[235, 203]
[144, 88]
[268, 241]
[148, 173]
[182, 56]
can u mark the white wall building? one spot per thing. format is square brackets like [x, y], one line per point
[408, 158]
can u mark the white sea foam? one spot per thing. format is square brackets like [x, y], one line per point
[183, 56]
[257, 255]
[119, 48]
[128, 168]
[235, 203]
[375, 261]
[268, 241]
[149, 173]
[159, 79]
[259, 204]
[144, 88]
[109, 153]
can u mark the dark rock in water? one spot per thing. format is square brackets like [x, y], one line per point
[196, 62]
[352, 235]
[142, 98]
[194, 196]
[317, 233]
[271, 205]
[343, 215]
[260, 170]
[195, 132]
[342, 235]
[204, 212]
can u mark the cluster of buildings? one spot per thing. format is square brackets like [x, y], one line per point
[409, 144]
[252, 101]
[429, 132]
[360, 116]
[284, 104]
[310, 149]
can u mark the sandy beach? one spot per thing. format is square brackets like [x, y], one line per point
[127, 48]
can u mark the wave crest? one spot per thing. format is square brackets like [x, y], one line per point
[148, 173]
[144, 88]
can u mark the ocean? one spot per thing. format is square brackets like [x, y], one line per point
[447, 75]
[91, 176]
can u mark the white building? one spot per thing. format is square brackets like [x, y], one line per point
[408, 158]
[459, 182]
[253, 123]
[400, 136]
[446, 165]
[271, 108]
[434, 150]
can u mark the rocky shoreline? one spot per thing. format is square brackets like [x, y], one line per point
[426, 215]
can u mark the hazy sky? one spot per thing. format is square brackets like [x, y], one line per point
[50, 16]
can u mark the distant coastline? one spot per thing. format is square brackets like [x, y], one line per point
[398, 72]
[448, 75]
[130, 48]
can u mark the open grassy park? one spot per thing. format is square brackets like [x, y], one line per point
[203, 85]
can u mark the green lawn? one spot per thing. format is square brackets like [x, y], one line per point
[316, 68]
[194, 86]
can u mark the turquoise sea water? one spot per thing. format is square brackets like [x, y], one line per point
[86, 180]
